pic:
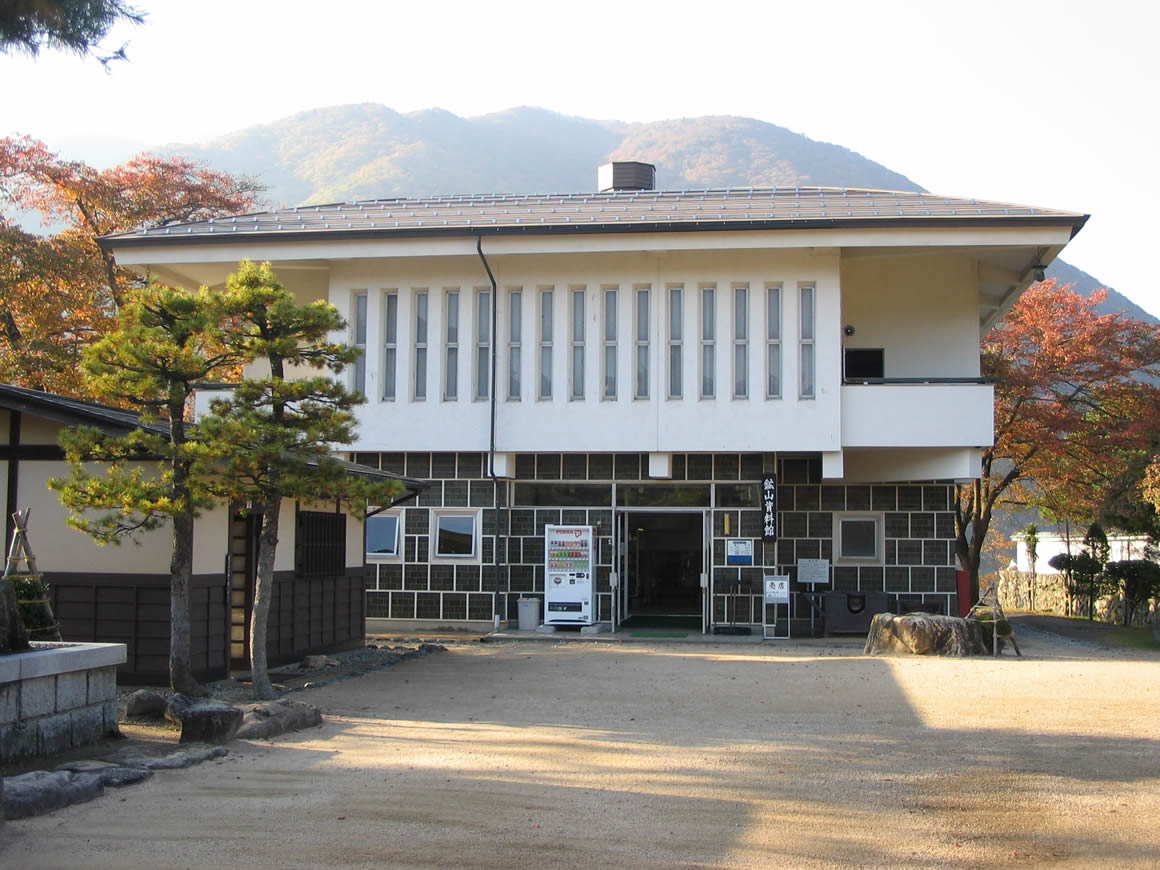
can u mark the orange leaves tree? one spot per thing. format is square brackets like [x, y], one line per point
[60, 292]
[1075, 405]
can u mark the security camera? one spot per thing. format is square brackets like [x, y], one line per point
[1038, 272]
[849, 330]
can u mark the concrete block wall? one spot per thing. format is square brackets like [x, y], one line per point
[57, 712]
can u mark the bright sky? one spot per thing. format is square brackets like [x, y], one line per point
[1041, 103]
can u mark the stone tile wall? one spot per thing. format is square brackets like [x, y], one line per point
[918, 524]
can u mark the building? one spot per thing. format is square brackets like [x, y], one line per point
[120, 594]
[651, 364]
[1048, 545]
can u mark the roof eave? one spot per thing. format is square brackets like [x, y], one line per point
[110, 243]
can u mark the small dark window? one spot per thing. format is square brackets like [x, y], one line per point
[321, 544]
[865, 362]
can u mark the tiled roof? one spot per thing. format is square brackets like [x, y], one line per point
[72, 412]
[621, 211]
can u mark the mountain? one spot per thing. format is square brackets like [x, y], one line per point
[370, 151]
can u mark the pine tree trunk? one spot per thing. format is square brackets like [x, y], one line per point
[181, 678]
[263, 593]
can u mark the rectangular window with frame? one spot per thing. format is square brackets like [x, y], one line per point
[773, 342]
[421, 345]
[359, 329]
[390, 342]
[858, 538]
[320, 545]
[451, 347]
[455, 535]
[676, 343]
[808, 387]
[382, 531]
[610, 315]
[641, 345]
[482, 344]
[708, 342]
[578, 344]
[515, 346]
[546, 323]
[740, 342]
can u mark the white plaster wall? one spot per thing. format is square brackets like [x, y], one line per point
[61, 548]
[889, 465]
[923, 310]
[211, 541]
[658, 423]
[918, 415]
[1051, 544]
[37, 430]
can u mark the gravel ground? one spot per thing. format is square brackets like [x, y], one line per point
[667, 755]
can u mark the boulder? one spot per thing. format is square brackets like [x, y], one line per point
[110, 774]
[40, 791]
[924, 634]
[203, 721]
[145, 703]
[182, 758]
[270, 718]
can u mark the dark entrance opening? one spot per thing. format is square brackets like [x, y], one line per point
[664, 571]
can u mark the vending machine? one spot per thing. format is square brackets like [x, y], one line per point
[569, 575]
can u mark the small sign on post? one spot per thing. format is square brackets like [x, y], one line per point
[775, 594]
[738, 551]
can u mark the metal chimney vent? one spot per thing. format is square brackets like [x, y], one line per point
[626, 175]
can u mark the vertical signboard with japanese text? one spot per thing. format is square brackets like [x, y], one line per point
[769, 508]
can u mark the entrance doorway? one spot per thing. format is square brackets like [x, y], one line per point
[661, 567]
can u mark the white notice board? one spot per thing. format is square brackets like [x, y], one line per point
[814, 572]
[777, 589]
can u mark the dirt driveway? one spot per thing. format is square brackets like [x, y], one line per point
[666, 755]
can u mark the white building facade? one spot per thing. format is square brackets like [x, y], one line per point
[648, 364]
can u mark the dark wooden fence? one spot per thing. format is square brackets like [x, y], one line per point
[307, 616]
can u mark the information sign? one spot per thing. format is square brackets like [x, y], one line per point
[776, 589]
[814, 572]
[738, 551]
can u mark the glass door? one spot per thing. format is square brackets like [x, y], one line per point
[706, 572]
[620, 584]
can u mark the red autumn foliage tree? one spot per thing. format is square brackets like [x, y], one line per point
[60, 292]
[1072, 408]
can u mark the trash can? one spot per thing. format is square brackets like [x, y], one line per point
[529, 612]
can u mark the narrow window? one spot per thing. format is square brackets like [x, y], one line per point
[610, 343]
[482, 343]
[515, 330]
[773, 342]
[708, 342]
[675, 345]
[390, 342]
[578, 344]
[545, 344]
[642, 327]
[807, 343]
[360, 341]
[421, 345]
[740, 342]
[451, 370]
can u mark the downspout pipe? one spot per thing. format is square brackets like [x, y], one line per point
[501, 528]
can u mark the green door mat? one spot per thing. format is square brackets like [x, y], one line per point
[658, 634]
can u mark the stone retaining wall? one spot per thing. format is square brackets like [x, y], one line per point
[57, 697]
[1046, 593]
